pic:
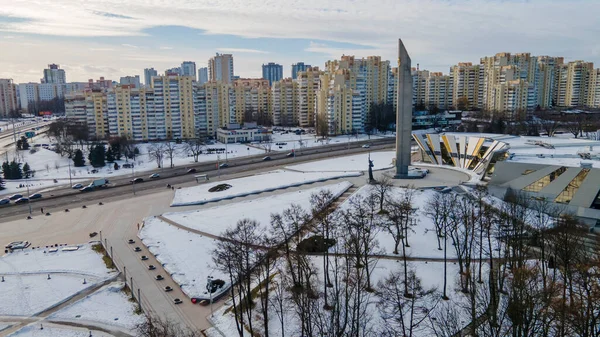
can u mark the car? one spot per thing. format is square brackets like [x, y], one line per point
[131, 241]
[151, 267]
[35, 196]
[4, 201]
[154, 176]
[159, 278]
[94, 171]
[177, 301]
[366, 146]
[126, 165]
[87, 189]
[15, 196]
[22, 200]
[18, 245]
[144, 258]
[224, 165]
[167, 289]
[136, 180]
[192, 170]
[77, 186]
[137, 249]
[267, 158]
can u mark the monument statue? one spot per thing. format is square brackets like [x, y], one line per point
[403, 113]
[371, 179]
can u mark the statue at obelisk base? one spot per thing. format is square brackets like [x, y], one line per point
[371, 179]
[403, 114]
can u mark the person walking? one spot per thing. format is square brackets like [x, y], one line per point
[42, 210]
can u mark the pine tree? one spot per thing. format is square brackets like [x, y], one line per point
[116, 166]
[116, 150]
[27, 170]
[24, 143]
[110, 157]
[97, 156]
[2, 184]
[78, 160]
[15, 170]
[6, 170]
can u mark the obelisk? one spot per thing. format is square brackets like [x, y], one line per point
[403, 113]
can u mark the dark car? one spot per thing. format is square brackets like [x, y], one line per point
[291, 154]
[224, 165]
[267, 158]
[35, 196]
[87, 189]
[192, 170]
[15, 196]
[4, 201]
[136, 180]
[22, 200]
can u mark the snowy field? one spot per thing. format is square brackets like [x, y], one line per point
[359, 162]
[186, 256]
[297, 142]
[264, 182]
[53, 331]
[217, 219]
[109, 305]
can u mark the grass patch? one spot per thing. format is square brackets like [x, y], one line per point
[138, 310]
[98, 248]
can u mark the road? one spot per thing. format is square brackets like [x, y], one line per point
[121, 186]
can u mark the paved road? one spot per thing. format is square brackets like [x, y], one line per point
[120, 186]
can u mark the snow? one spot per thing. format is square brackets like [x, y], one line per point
[83, 261]
[297, 142]
[28, 294]
[52, 331]
[5, 325]
[265, 182]
[359, 162]
[217, 219]
[109, 305]
[186, 256]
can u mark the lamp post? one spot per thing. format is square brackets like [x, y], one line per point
[28, 199]
[132, 178]
[218, 166]
[70, 181]
[209, 288]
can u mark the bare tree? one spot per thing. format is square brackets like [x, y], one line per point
[170, 152]
[438, 209]
[155, 326]
[195, 146]
[382, 186]
[156, 151]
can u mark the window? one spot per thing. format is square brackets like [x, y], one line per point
[545, 181]
[567, 194]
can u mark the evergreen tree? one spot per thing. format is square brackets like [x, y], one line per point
[116, 166]
[1, 184]
[116, 150]
[78, 160]
[97, 155]
[27, 170]
[136, 152]
[6, 170]
[15, 170]
[110, 157]
[24, 143]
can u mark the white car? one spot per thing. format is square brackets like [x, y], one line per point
[366, 146]
[77, 186]
[18, 245]
[154, 175]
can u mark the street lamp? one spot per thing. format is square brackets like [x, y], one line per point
[70, 181]
[28, 195]
[218, 166]
[132, 178]
[209, 281]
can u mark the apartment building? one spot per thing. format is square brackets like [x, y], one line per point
[220, 68]
[173, 102]
[467, 85]
[338, 105]
[438, 91]
[8, 97]
[297, 67]
[252, 95]
[130, 110]
[188, 68]
[546, 80]
[308, 86]
[284, 95]
[148, 74]
[572, 83]
[419, 81]
[203, 75]
[514, 96]
[593, 96]
[96, 108]
[130, 80]
[272, 72]
[28, 94]
[53, 74]
[220, 105]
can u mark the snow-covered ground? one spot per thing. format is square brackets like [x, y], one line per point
[297, 142]
[27, 289]
[359, 162]
[109, 305]
[54, 331]
[186, 256]
[216, 220]
[264, 182]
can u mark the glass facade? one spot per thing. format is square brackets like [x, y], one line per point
[567, 194]
[545, 181]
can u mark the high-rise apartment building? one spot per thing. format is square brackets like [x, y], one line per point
[593, 97]
[220, 105]
[438, 91]
[203, 75]
[572, 83]
[130, 110]
[514, 96]
[467, 85]
[252, 96]
[419, 80]
[547, 66]
[28, 94]
[220, 68]
[175, 71]
[308, 86]
[284, 95]
[272, 72]
[50, 91]
[392, 92]
[338, 105]
[131, 81]
[97, 113]
[54, 74]
[188, 68]
[174, 107]
[296, 67]
[8, 97]
[148, 74]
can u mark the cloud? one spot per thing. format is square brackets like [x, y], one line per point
[129, 45]
[242, 50]
[112, 15]
[165, 48]
[101, 49]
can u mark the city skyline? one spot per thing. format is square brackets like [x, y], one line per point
[114, 40]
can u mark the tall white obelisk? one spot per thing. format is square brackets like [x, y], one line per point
[403, 113]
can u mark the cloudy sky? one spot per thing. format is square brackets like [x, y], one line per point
[113, 38]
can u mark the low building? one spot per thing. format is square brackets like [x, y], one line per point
[425, 120]
[236, 134]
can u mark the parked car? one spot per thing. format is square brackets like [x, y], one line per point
[94, 171]
[15, 196]
[136, 180]
[22, 201]
[267, 158]
[291, 154]
[87, 189]
[4, 201]
[151, 267]
[77, 186]
[192, 170]
[18, 245]
[144, 258]
[126, 165]
[224, 165]
[154, 176]
[366, 146]
[35, 196]
[159, 278]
